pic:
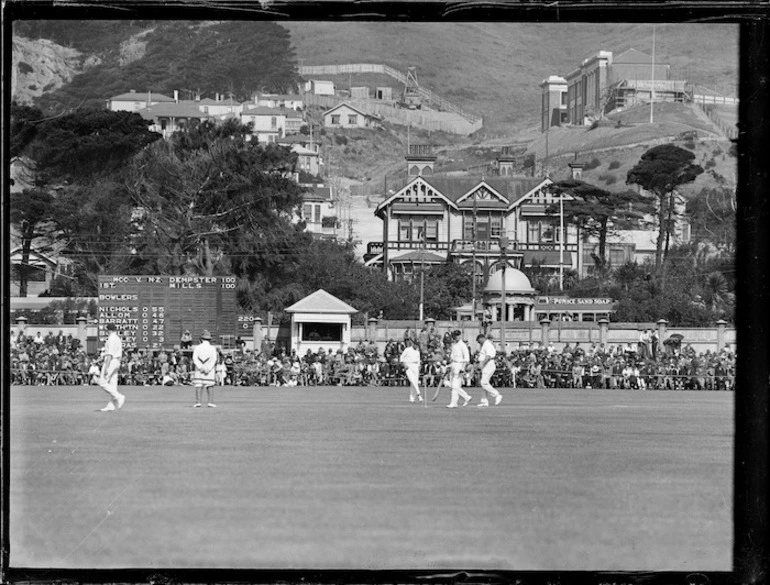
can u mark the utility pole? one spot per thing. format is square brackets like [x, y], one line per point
[652, 76]
[562, 237]
[422, 277]
[473, 262]
[504, 300]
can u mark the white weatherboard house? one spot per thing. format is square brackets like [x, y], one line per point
[320, 320]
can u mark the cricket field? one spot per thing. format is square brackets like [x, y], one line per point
[359, 478]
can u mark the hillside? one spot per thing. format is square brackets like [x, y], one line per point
[494, 69]
[491, 68]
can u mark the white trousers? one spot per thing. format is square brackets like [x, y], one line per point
[457, 374]
[486, 375]
[413, 375]
[109, 382]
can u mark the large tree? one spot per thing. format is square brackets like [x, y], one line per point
[712, 217]
[661, 171]
[83, 144]
[210, 201]
[597, 212]
[32, 217]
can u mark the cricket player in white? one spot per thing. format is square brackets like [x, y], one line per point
[487, 355]
[108, 379]
[205, 362]
[410, 358]
[459, 358]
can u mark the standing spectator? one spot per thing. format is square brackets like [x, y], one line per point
[205, 362]
[113, 353]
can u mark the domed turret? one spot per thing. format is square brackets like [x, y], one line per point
[516, 282]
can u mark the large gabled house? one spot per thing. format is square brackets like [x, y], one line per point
[432, 219]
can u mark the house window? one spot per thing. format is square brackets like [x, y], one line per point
[307, 211]
[404, 230]
[468, 228]
[546, 232]
[431, 230]
[496, 226]
[335, 119]
[353, 119]
[617, 257]
[533, 231]
[317, 213]
[273, 122]
[415, 228]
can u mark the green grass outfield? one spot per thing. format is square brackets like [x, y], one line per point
[331, 478]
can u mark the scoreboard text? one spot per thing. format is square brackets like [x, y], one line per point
[152, 312]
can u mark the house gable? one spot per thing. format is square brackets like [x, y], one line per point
[483, 193]
[417, 192]
[537, 195]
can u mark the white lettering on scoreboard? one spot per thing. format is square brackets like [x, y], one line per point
[152, 312]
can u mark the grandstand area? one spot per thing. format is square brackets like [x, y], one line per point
[357, 477]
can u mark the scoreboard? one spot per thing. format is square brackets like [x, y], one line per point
[152, 312]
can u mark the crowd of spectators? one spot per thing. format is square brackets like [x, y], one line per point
[55, 360]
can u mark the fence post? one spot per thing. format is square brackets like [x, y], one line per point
[603, 329]
[371, 329]
[661, 333]
[545, 327]
[721, 334]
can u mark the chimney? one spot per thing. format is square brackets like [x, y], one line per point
[505, 162]
[420, 160]
[577, 170]
[176, 95]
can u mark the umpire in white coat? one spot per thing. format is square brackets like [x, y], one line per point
[205, 361]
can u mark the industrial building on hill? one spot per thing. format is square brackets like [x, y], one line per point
[603, 83]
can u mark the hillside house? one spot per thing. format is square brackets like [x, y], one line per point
[268, 124]
[134, 101]
[433, 219]
[307, 160]
[320, 87]
[219, 108]
[167, 118]
[345, 115]
[294, 121]
[288, 101]
[318, 212]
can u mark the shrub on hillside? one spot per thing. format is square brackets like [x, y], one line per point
[608, 178]
[689, 145]
[614, 164]
[339, 139]
[594, 163]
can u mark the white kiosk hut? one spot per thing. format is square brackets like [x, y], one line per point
[518, 292]
[320, 320]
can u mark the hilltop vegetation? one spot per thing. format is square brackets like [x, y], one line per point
[205, 58]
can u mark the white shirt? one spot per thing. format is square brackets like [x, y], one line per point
[460, 353]
[487, 352]
[113, 346]
[410, 357]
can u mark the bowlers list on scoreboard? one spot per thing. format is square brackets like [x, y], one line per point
[152, 312]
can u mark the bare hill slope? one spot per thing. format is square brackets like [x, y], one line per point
[494, 69]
